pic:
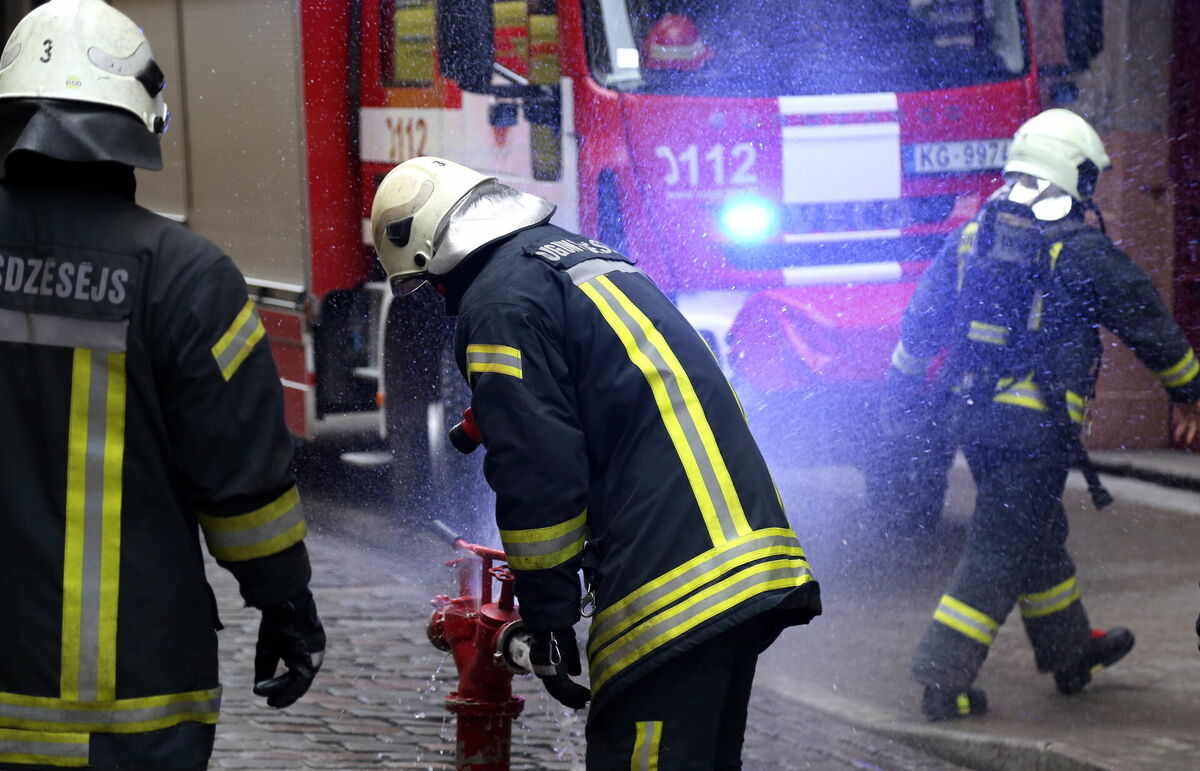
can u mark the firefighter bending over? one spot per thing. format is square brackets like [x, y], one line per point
[615, 445]
[1017, 298]
[137, 398]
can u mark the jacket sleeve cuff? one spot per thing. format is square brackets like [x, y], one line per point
[273, 579]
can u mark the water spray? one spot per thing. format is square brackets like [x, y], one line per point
[489, 643]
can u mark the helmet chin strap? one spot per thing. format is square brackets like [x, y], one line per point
[1090, 204]
[1048, 201]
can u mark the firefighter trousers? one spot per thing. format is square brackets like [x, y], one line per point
[1015, 553]
[689, 713]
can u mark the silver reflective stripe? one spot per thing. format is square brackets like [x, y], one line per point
[93, 531]
[224, 539]
[700, 607]
[728, 557]
[590, 269]
[92, 534]
[75, 714]
[235, 345]
[709, 492]
[495, 358]
[63, 331]
[548, 546]
[30, 746]
[1051, 601]
[966, 620]
[648, 737]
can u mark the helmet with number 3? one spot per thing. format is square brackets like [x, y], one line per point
[84, 60]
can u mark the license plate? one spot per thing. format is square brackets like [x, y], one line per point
[938, 157]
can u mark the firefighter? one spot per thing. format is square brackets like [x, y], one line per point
[137, 399]
[1017, 299]
[615, 445]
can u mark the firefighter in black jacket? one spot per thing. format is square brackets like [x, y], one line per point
[615, 445]
[137, 399]
[1017, 298]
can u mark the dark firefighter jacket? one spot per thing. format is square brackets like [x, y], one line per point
[1090, 283]
[615, 443]
[137, 398]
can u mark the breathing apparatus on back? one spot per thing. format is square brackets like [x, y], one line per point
[1007, 257]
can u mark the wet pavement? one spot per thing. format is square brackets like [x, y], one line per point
[1137, 567]
[833, 695]
[378, 701]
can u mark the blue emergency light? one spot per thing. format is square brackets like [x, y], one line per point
[748, 219]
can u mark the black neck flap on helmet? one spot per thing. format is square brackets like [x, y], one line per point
[77, 132]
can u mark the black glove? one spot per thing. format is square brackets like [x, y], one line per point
[904, 410]
[292, 632]
[555, 656]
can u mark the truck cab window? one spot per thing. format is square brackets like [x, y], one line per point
[752, 48]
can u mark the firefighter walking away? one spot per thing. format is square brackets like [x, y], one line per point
[615, 446]
[138, 400]
[1016, 299]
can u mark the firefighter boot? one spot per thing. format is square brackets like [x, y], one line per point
[1103, 650]
[944, 704]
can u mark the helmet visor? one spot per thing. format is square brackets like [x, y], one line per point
[403, 286]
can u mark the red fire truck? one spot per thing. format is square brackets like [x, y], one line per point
[784, 171]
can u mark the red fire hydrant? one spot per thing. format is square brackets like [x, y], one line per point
[489, 646]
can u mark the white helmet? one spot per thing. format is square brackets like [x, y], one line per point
[1059, 147]
[429, 214]
[84, 51]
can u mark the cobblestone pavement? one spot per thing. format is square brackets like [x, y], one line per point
[378, 701]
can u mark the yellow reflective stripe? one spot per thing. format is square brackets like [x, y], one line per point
[648, 736]
[499, 369]
[1055, 249]
[534, 535]
[235, 345]
[680, 409]
[264, 531]
[1053, 600]
[987, 333]
[545, 547]
[1181, 373]
[963, 701]
[72, 594]
[1076, 407]
[110, 546]
[500, 359]
[966, 620]
[48, 748]
[137, 715]
[92, 537]
[506, 350]
[548, 560]
[906, 363]
[1024, 393]
[1035, 311]
[667, 589]
[697, 609]
[966, 243]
